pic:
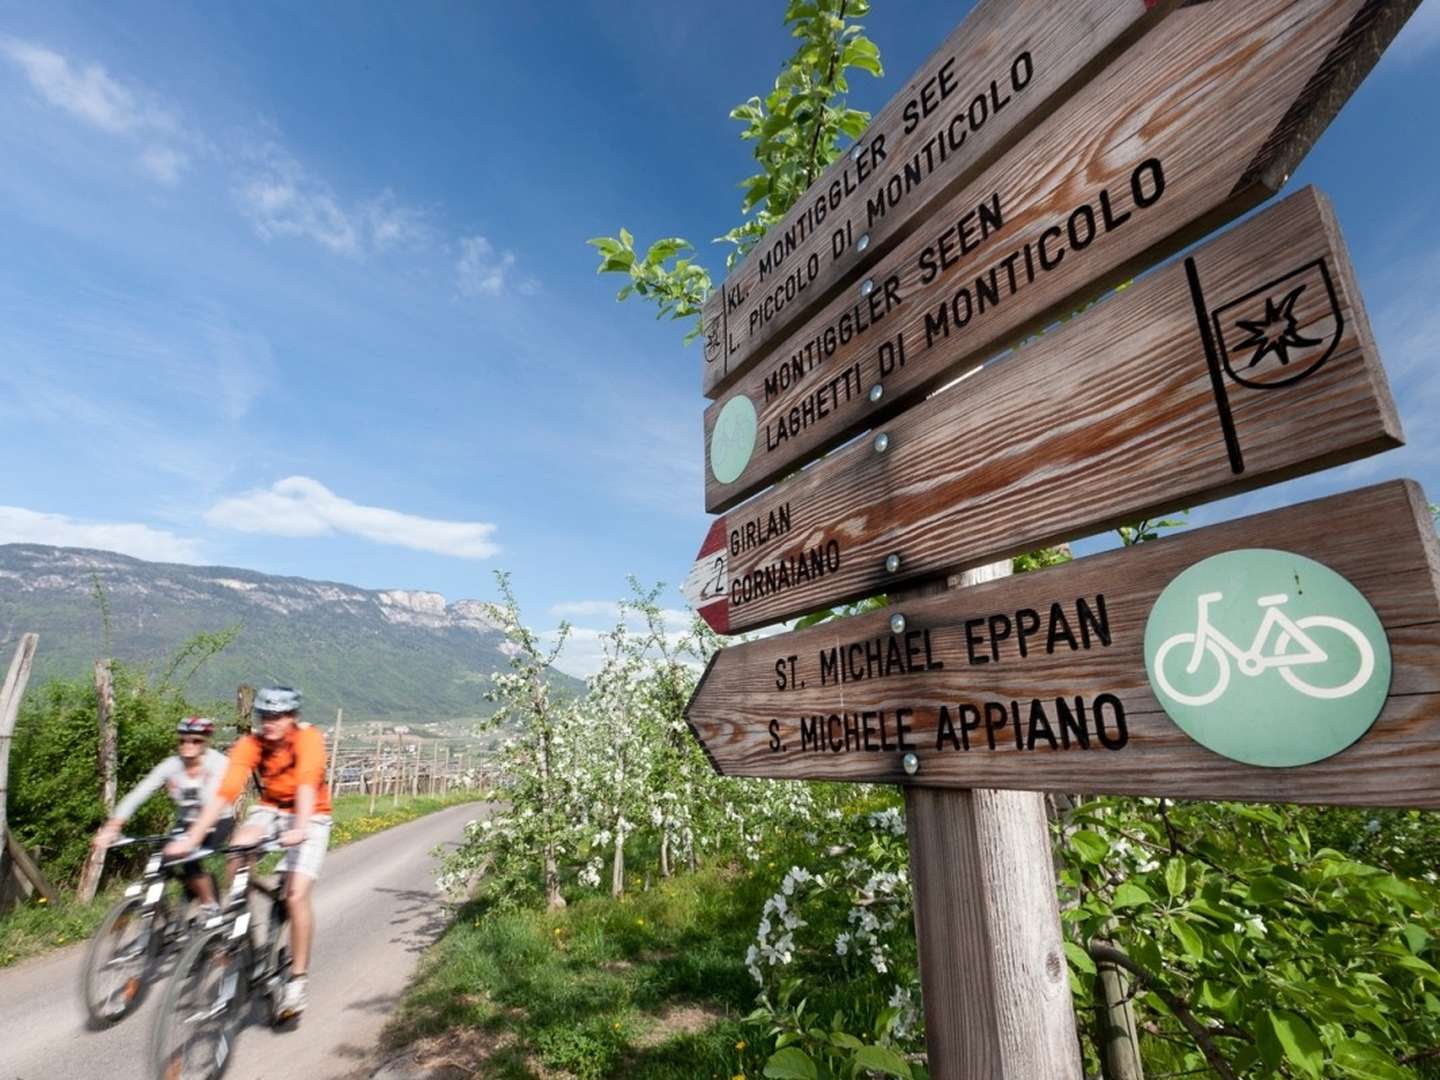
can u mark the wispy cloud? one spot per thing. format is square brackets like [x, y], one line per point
[281, 198]
[483, 271]
[89, 94]
[299, 506]
[21, 526]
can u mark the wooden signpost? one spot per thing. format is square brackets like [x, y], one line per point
[1200, 120]
[1007, 65]
[1039, 682]
[1290, 656]
[1159, 399]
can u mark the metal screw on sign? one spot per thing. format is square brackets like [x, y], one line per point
[877, 392]
[867, 286]
[911, 764]
[892, 563]
[882, 443]
[856, 151]
[897, 623]
[863, 242]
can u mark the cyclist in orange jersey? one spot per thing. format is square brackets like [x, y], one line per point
[287, 759]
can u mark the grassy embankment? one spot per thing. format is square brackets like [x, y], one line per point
[650, 986]
[38, 927]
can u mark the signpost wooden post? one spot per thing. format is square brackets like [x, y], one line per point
[1199, 121]
[1159, 399]
[1244, 364]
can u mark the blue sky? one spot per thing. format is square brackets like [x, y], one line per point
[304, 289]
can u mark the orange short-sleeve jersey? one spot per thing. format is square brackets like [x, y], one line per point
[281, 767]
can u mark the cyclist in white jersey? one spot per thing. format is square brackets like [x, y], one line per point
[191, 777]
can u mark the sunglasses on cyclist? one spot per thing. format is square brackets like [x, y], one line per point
[192, 738]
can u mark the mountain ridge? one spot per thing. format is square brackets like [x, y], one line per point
[380, 653]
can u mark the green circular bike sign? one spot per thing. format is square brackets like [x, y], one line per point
[733, 441]
[1267, 657]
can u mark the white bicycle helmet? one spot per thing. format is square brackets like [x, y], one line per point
[276, 701]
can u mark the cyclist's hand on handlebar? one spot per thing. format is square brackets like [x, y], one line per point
[292, 837]
[106, 835]
[180, 846]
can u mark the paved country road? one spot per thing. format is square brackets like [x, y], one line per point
[376, 910]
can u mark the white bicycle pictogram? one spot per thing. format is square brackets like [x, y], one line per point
[1206, 640]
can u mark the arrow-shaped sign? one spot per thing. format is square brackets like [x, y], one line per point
[1203, 118]
[1131, 672]
[1007, 65]
[1247, 363]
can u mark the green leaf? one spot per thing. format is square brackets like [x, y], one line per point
[1299, 1042]
[1131, 894]
[1189, 939]
[882, 1060]
[1175, 877]
[1366, 1062]
[1079, 958]
[845, 1040]
[627, 239]
[791, 1063]
[1090, 845]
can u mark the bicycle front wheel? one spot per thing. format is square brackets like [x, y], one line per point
[1350, 651]
[194, 1034]
[117, 962]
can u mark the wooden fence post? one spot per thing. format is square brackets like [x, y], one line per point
[10, 694]
[415, 776]
[244, 707]
[992, 968]
[105, 710]
[435, 769]
[399, 767]
[375, 783]
[445, 778]
[335, 751]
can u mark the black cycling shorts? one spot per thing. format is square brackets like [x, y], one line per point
[215, 839]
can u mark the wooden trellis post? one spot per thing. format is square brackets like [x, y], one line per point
[335, 751]
[105, 715]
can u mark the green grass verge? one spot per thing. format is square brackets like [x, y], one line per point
[650, 986]
[37, 927]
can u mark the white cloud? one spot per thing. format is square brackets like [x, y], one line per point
[164, 163]
[483, 271]
[299, 506]
[21, 526]
[89, 94]
[282, 199]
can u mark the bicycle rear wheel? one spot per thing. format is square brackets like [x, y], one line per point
[117, 963]
[194, 1034]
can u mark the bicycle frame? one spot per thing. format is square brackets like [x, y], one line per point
[1251, 661]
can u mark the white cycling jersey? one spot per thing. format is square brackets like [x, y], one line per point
[188, 793]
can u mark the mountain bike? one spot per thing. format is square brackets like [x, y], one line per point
[1205, 640]
[219, 974]
[135, 936]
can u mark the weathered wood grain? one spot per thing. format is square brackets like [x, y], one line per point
[1113, 417]
[992, 966]
[989, 82]
[1220, 100]
[1380, 538]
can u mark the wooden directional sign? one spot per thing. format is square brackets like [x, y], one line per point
[1003, 68]
[1246, 363]
[1204, 117]
[1042, 681]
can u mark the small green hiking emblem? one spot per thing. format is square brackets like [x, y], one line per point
[1267, 657]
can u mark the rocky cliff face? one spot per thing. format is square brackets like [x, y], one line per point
[389, 653]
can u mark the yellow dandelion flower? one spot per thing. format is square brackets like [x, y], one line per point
[639, 922]
[740, 1045]
[43, 900]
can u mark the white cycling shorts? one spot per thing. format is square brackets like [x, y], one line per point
[306, 856]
